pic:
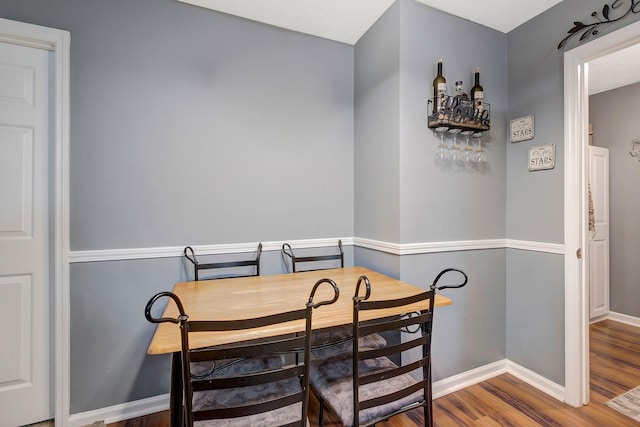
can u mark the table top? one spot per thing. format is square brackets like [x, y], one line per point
[255, 296]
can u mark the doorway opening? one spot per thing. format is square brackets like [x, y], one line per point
[576, 120]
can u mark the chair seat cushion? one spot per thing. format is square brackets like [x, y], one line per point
[234, 367]
[242, 396]
[337, 340]
[332, 380]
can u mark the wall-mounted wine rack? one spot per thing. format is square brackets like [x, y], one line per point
[459, 113]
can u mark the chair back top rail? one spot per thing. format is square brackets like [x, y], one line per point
[190, 255]
[296, 259]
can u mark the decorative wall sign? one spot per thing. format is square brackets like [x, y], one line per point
[542, 157]
[587, 30]
[635, 148]
[522, 129]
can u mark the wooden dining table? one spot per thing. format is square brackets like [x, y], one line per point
[255, 296]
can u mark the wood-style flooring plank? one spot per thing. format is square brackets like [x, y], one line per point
[508, 401]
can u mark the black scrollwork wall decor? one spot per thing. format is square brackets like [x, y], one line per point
[607, 16]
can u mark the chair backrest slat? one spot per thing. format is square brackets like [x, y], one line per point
[254, 409]
[249, 379]
[267, 347]
[257, 322]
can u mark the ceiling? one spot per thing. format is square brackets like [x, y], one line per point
[346, 21]
[614, 70]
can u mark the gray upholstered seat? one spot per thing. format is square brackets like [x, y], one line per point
[330, 342]
[227, 367]
[218, 399]
[333, 382]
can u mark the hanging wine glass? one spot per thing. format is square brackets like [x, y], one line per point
[456, 150]
[442, 154]
[467, 153]
[480, 155]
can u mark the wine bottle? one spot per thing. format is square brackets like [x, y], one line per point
[460, 93]
[477, 92]
[439, 89]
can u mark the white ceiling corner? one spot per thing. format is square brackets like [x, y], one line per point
[344, 21]
[501, 15]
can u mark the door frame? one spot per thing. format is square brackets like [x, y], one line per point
[57, 41]
[576, 136]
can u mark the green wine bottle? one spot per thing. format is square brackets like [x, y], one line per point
[477, 92]
[439, 90]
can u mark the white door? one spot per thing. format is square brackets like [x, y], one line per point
[599, 238]
[24, 235]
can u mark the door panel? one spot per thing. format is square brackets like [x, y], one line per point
[15, 310]
[599, 238]
[24, 235]
[16, 181]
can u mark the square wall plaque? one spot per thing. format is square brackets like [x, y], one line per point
[542, 157]
[522, 129]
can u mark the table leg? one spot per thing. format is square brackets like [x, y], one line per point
[175, 404]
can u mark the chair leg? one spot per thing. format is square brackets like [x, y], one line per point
[428, 407]
[321, 413]
[176, 404]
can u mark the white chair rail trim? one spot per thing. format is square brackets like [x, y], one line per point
[387, 247]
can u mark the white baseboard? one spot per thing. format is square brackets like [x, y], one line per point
[623, 318]
[536, 380]
[441, 388]
[469, 378]
[124, 411]
[483, 373]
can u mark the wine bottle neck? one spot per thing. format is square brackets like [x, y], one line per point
[439, 68]
[477, 78]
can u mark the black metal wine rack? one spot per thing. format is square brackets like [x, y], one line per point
[459, 113]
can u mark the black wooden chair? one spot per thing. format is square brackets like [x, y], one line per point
[248, 392]
[190, 255]
[383, 389]
[320, 260]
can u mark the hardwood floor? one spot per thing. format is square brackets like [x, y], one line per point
[508, 401]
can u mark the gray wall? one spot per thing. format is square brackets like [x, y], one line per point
[471, 332]
[109, 334]
[535, 312]
[376, 137]
[535, 199]
[613, 115]
[445, 203]
[187, 127]
[402, 196]
[187, 120]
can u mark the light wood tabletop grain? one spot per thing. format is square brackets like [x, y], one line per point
[249, 297]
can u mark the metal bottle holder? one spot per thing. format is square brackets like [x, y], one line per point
[459, 113]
